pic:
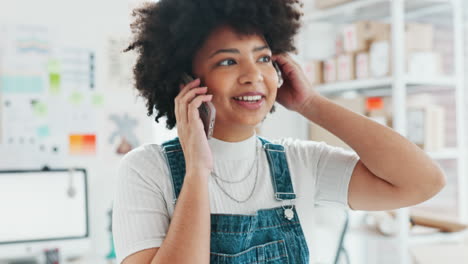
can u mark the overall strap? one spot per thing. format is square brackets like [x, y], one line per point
[176, 161]
[279, 169]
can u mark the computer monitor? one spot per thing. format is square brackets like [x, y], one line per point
[41, 210]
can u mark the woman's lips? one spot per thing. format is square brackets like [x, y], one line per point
[250, 105]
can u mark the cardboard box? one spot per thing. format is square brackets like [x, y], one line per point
[362, 66]
[322, 4]
[357, 37]
[435, 129]
[419, 37]
[317, 133]
[346, 67]
[314, 71]
[418, 63]
[339, 44]
[384, 32]
[426, 126]
[380, 59]
[329, 70]
[424, 63]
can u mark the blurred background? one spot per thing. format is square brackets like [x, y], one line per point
[68, 114]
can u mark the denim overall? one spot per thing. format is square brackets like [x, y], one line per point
[266, 237]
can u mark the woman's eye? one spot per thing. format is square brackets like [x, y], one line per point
[268, 58]
[222, 63]
[228, 62]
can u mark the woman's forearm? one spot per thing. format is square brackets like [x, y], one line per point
[385, 152]
[188, 237]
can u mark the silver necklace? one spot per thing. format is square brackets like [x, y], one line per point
[216, 177]
[246, 176]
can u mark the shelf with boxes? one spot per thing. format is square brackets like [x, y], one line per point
[363, 59]
[346, 11]
[362, 66]
[382, 84]
[425, 122]
[388, 52]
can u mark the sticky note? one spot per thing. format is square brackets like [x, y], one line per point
[43, 131]
[40, 109]
[76, 98]
[54, 76]
[97, 100]
[21, 84]
[82, 144]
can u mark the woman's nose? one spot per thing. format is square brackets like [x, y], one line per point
[251, 73]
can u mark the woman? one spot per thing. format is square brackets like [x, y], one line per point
[237, 197]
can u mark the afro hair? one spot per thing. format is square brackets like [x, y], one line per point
[168, 33]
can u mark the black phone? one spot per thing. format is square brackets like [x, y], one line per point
[207, 110]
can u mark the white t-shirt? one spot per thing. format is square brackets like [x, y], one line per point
[143, 204]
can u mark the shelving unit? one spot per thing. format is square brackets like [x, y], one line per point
[399, 85]
[379, 10]
[383, 84]
[444, 154]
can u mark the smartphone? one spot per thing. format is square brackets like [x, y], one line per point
[207, 110]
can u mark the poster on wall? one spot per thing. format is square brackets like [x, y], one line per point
[77, 68]
[26, 50]
[124, 133]
[125, 125]
[126, 122]
[48, 93]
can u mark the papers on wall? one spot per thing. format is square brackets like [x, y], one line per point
[48, 91]
[120, 67]
[25, 52]
[77, 68]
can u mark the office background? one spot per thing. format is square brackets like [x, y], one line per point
[67, 100]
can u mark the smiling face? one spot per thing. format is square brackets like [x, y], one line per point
[233, 65]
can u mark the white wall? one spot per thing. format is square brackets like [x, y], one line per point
[89, 24]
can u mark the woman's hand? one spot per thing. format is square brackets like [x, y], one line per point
[190, 126]
[296, 90]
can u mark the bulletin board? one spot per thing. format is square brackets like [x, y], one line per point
[47, 92]
[64, 104]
